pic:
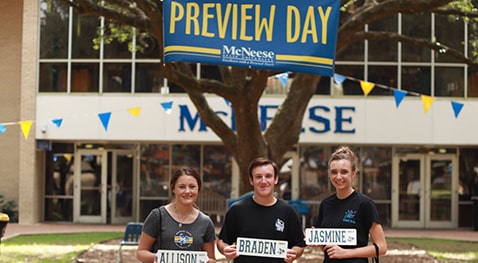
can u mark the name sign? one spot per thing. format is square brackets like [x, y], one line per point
[288, 35]
[180, 256]
[261, 247]
[325, 236]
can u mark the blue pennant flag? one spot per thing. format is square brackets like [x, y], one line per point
[167, 106]
[57, 122]
[283, 78]
[105, 119]
[339, 79]
[399, 95]
[457, 107]
[2, 128]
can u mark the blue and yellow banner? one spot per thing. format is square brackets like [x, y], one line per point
[289, 35]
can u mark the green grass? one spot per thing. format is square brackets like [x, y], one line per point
[443, 249]
[64, 248]
[51, 248]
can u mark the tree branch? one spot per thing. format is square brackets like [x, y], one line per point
[421, 42]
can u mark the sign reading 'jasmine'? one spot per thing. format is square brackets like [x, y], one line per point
[261, 247]
[287, 35]
[179, 256]
[325, 236]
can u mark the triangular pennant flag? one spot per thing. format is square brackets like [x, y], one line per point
[105, 119]
[283, 78]
[367, 87]
[25, 125]
[427, 102]
[167, 106]
[399, 95]
[457, 106]
[134, 111]
[57, 122]
[2, 128]
[339, 78]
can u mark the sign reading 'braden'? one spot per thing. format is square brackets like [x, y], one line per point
[324, 236]
[179, 256]
[261, 247]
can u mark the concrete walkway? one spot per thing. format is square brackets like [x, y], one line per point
[14, 229]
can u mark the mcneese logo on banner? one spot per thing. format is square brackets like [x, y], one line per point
[289, 35]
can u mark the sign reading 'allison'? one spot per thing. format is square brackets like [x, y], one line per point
[261, 247]
[179, 256]
[325, 236]
[288, 35]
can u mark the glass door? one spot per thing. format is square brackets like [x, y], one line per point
[90, 193]
[123, 186]
[423, 194]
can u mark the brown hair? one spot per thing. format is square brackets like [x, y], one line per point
[345, 153]
[260, 162]
[185, 171]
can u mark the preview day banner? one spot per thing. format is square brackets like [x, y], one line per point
[286, 35]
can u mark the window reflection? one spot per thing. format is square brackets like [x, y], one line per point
[53, 77]
[154, 170]
[85, 27]
[54, 29]
[217, 170]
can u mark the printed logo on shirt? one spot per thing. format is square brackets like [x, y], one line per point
[349, 217]
[183, 239]
[280, 225]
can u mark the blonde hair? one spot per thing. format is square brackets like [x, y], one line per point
[345, 153]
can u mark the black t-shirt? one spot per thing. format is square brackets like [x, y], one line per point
[356, 211]
[248, 219]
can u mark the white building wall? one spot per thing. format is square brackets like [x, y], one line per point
[364, 120]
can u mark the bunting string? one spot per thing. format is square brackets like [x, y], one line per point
[367, 87]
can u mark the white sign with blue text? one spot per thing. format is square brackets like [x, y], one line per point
[261, 247]
[176, 256]
[325, 236]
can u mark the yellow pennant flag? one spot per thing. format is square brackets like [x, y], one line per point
[25, 126]
[427, 102]
[367, 87]
[134, 111]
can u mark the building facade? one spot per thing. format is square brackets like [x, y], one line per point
[93, 132]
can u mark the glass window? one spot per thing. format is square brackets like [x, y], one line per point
[418, 26]
[385, 76]
[59, 183]
[323, 88]
[84, 77]
[116, 49]
[353, 52]
[313, 178]
[449, 32]
[449, 82]
[117, 77]
[472, 84]
[149, 77]
[154, 177]
[148, 47]
[217, 170]
[53, 77]
[84, 31]
[377, 172]
[383, 50]
[186, 155]
[53, 29]
[349, 87]
[417, 79]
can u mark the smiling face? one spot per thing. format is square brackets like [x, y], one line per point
[186, 189]
[341, 175]
[263, 180]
